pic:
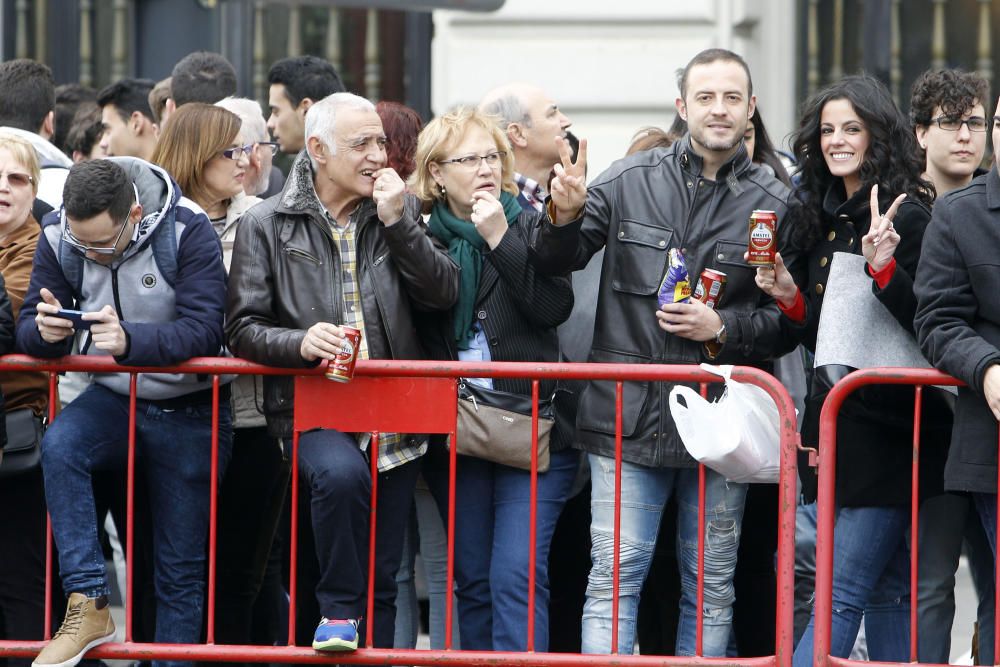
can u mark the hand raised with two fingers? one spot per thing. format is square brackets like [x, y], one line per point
[880, 243]
[569, 186]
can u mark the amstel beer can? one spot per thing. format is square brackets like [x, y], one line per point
[341, 367]
[709, 289]
[762, 238]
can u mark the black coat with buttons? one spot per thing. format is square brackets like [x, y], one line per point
[875, 426]
[518, 309]
[638, 209]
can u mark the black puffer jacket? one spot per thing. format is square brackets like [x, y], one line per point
[285, 277]
[639, 209]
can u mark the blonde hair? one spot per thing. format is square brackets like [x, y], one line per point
[196, 133]
[442, 135]
[24, 153]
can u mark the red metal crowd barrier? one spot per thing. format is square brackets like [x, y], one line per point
[826, 501]
[420, 397]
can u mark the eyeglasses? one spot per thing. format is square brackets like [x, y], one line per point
[18, 180]
[237, 152]
[471, 162]
[269, 145]
[954, 123]
[68, 237]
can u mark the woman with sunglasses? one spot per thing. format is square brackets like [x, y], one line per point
[204, 149]
[505, 312]
[22, 525]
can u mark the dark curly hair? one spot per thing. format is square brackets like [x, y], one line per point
[954, 90]
[892, 159]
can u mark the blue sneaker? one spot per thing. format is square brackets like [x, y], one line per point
[336, 635]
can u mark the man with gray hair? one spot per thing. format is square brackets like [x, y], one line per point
[262, 178]
[532, 122]
[343, 211]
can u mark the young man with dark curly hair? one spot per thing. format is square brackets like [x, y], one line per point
[947, 108]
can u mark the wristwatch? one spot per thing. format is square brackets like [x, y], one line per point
[720, 335]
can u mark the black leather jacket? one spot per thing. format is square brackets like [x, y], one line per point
[285, 277]
[639, 208]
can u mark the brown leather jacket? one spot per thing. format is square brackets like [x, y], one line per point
[285, 277]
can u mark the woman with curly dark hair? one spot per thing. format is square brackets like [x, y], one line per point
[861, 192]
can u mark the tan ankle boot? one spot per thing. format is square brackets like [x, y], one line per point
[84, 627]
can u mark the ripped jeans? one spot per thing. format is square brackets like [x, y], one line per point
[644, 493]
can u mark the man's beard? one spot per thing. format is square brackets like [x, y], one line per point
[720, 145]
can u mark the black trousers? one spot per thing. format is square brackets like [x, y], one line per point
[22, 560]
[250, 504]
[334, 501]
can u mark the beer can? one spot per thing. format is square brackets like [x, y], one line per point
[341, 367]
[709, 289]
[762, 238]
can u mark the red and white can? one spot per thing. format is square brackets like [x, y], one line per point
[341, 367]
[762, 238]
[709, 289]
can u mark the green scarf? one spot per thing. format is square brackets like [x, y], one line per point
[465, 246]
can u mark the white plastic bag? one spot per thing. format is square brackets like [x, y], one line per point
[737, 436]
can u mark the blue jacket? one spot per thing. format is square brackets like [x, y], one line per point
[169, 288]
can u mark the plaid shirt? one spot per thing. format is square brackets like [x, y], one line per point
[531, 191]
[395, 449]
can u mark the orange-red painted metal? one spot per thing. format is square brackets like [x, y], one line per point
[826, 501]
[420, 397]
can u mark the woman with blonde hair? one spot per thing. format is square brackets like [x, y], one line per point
[204, 149]
[22, 526]
[505, 312]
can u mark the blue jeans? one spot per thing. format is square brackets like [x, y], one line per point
[871, 576]
[173, 454]
[644, 493]
[491, 546]
[946, 521]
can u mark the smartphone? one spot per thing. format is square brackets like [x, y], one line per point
[76, 317]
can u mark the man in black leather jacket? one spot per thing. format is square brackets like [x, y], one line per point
[341, 245]
[697, 196]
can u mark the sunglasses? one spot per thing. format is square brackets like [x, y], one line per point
[18, 180]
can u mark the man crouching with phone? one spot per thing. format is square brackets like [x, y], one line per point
[145, 267]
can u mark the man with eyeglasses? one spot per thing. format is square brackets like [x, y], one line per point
[342, 245]
[262, 178]
[145, 267]
[947, 108]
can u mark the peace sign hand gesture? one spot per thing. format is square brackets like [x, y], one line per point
[569, 187]
[879, 244]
